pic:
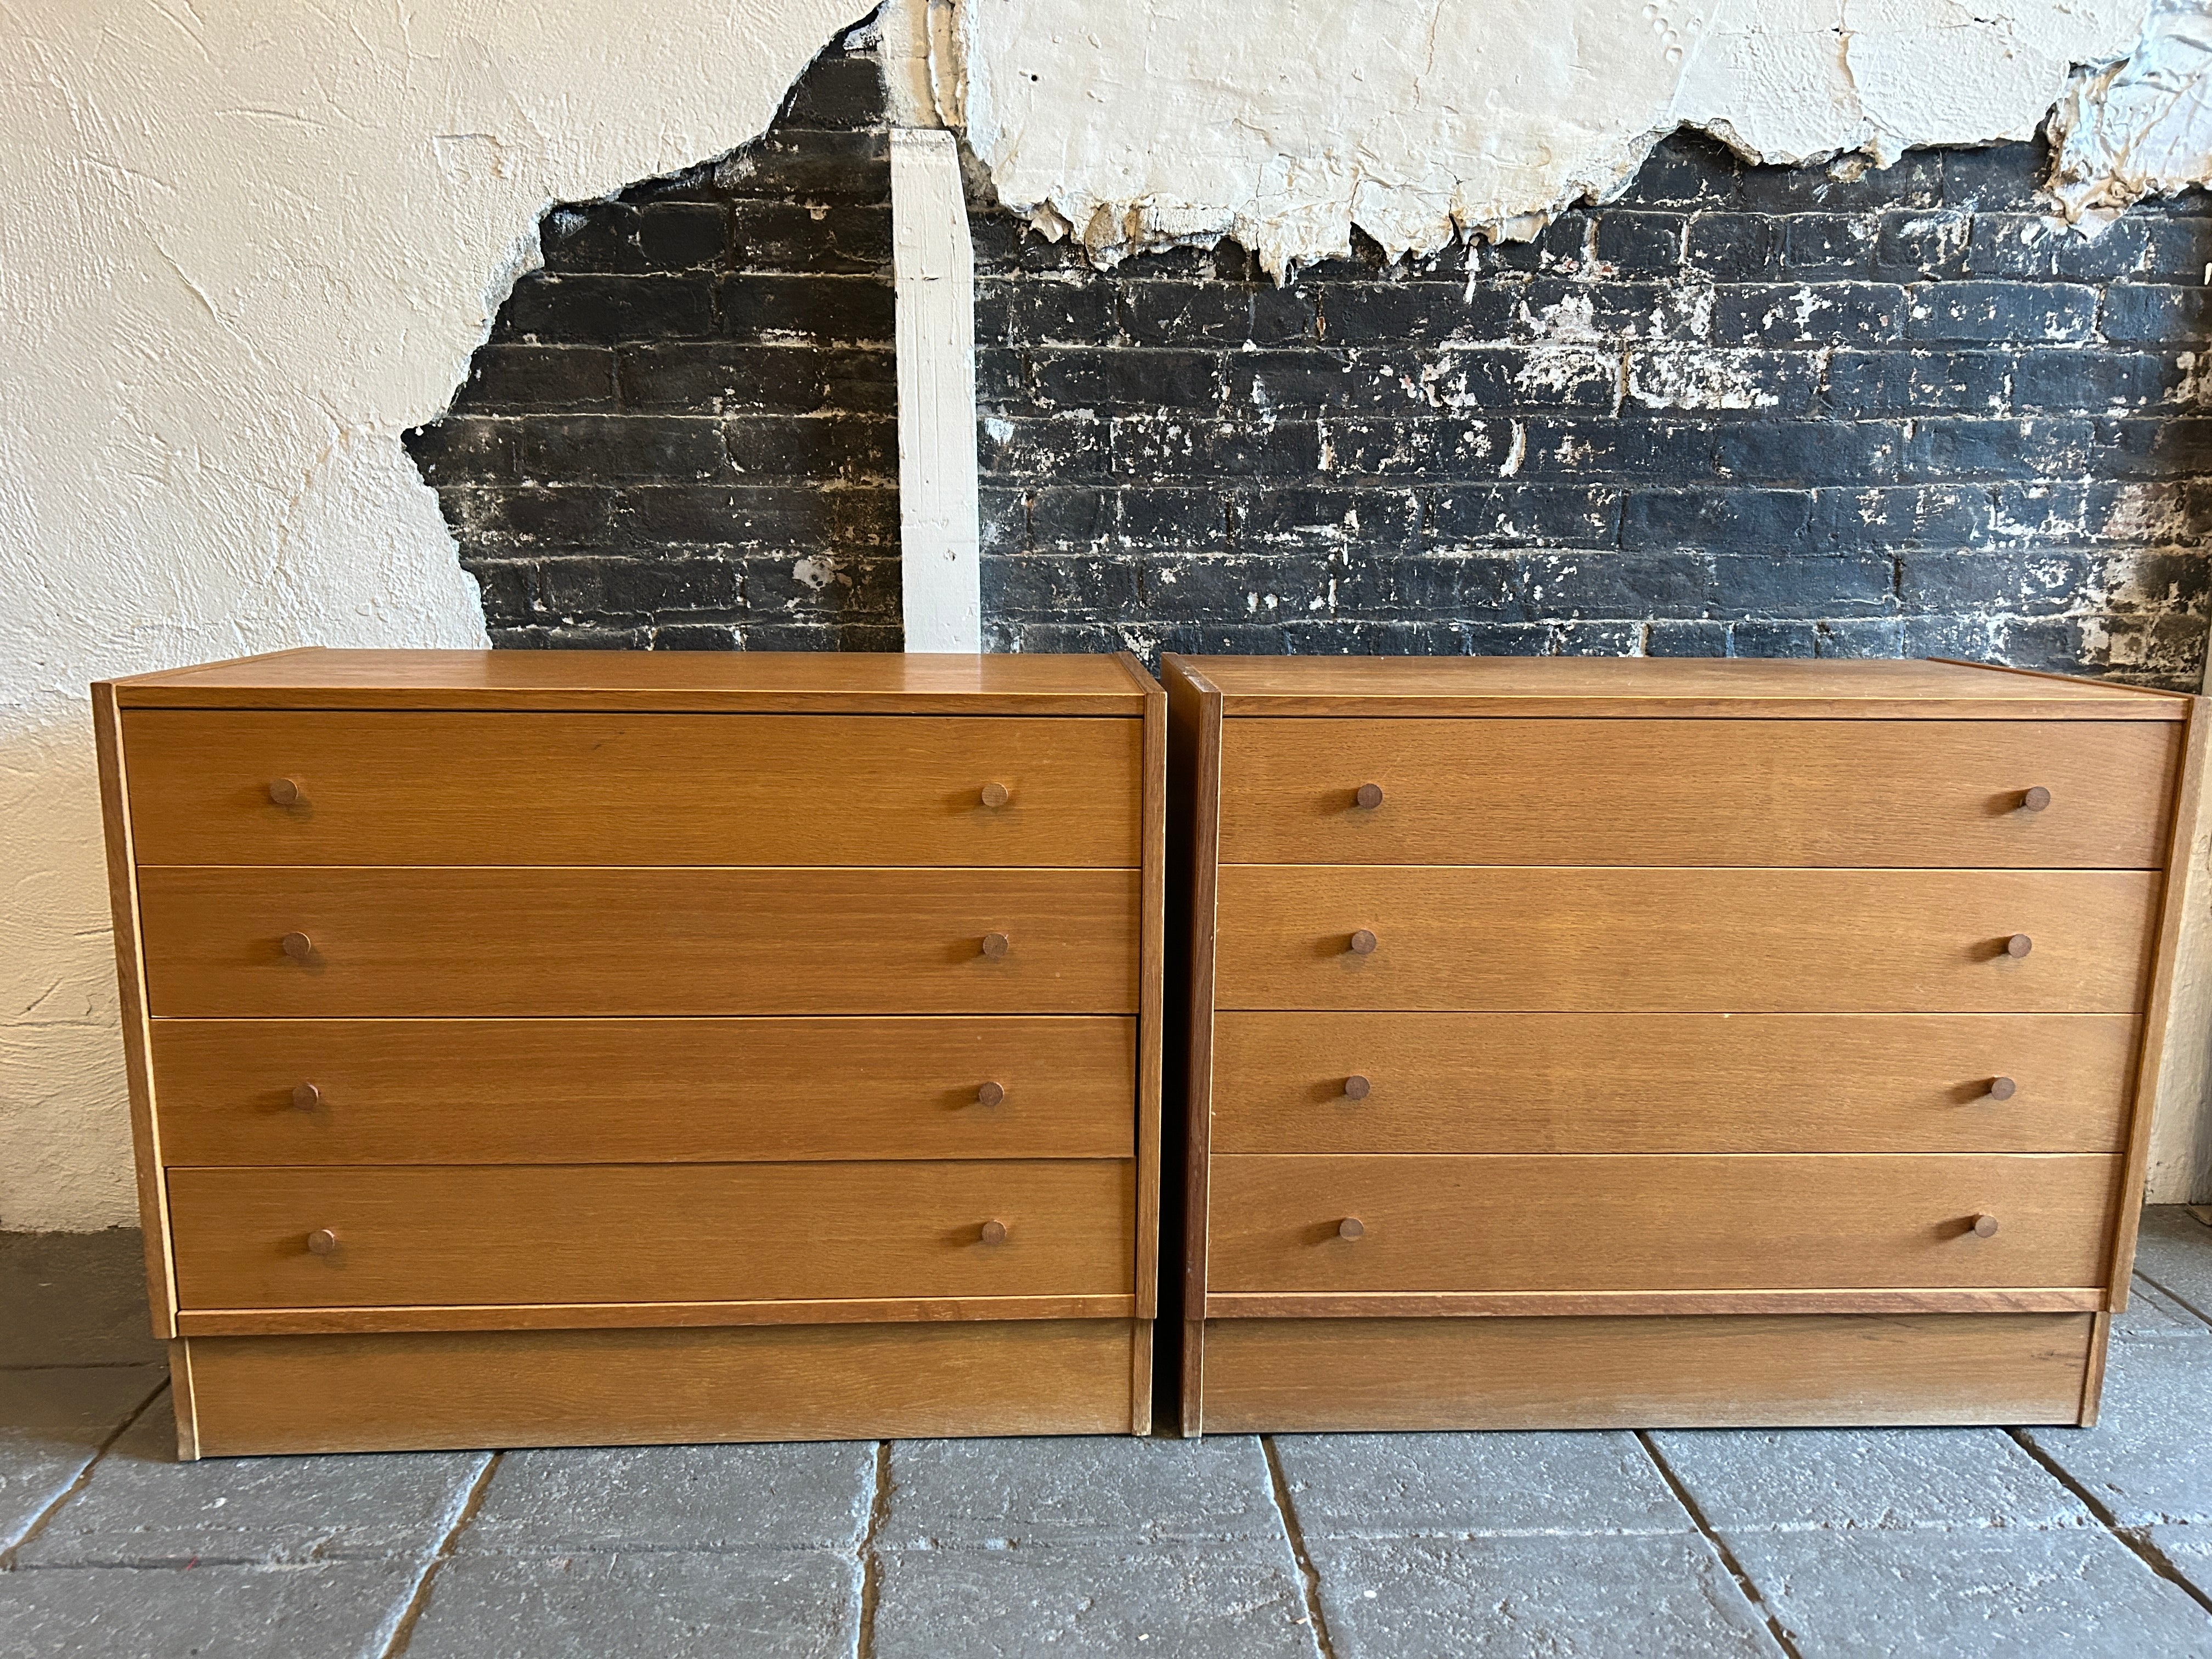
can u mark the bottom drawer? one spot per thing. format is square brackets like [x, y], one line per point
[643, 1234]
[1319, 1376]
[1657, 1223]
[238, 1395]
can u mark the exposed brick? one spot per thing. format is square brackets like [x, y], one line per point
[1126, 378]
[1828, 245]
[512, 379]
[1809, 314]
[549, 308]
[790, 236]
[824, 310]
[2158, 314]
[1978, 310]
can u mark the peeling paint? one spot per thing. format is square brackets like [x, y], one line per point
[2139, 127]
[1420, 122]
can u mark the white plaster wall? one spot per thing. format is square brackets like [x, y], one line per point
[243, 246]
[1161, 122]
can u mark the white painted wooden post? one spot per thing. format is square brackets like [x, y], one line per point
[934, 266]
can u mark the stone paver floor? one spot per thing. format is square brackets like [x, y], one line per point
[1921, 1543]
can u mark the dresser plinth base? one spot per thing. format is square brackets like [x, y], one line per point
[423, 1391]
[1317, 1375]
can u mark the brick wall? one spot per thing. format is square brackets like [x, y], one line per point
[1748, 410]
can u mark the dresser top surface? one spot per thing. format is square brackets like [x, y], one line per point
[737, 682]
[1605, 687]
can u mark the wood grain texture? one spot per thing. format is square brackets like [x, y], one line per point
[130, 985]
[1896, 793]
[466, 1389]
[1901, 941]
[1668, 1083]
[649, 1233]
[721, 681]
[568, 942]
[643, 1091]
[1151, 957]
[180, 1400]
[1656, 1221]
[2172, 918]
[1644, 687]
[1552, 1304]
[1194, 754]
[1745, 1372]
[457, 789]
[609, 1316]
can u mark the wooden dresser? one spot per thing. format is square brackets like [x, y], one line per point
[1584, 1042]
[563, 1048]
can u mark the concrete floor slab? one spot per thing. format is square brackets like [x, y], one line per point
[785, 1604]
[141, 1507]
[75, 1299]
[1973, 1594]
[1800, 1479]
[681, 1498]
[1592, 1597]
[1024, 1494]
[2151, 1312]
[330, 1610]
[1384, 1485]
[2187, 1551]
[2149, 1459]
[1221, 1602]
[2174, 1250]
[52, 1423]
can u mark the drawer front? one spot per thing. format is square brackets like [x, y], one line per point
[631, 789]
[643, 1092]
[1659, 1223]
[1780, 941]
[1672, 1083]
[444, 1237]
[1902, 793]
[500, 942]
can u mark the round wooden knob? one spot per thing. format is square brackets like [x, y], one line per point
[2018, 946]
[2002, 1088]
[1355, 1087]
[305, 1095]
[994, 795]
[992, 1233]
[1368, 795]
[995, 945]
[322, 1241]
[1982, 1226]
[2035, 799]
[285, 791]
[298, 946]
[1362, 944]
[990, 1094]
[1350, 1227]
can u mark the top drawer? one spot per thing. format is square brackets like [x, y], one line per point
[431, 788]
[1846, 793]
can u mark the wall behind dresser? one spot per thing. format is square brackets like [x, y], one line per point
[1742, 410]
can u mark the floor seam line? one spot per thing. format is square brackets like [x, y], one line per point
[1745, 1585]
[865, 1554]
[2174, 1296]
[1278, 1488]
[2133, 1539]
[39, 1521]
[418, 1599]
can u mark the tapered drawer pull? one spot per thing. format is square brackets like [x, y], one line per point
[298, 946]
[2002, 1088]
[990, 1094]
[995, 795]
[306, 1095]
[2018, 946]
[1362, 942]
[995, 946]
[992, 1233]
[1982, 1226]
[1350, 1227]
[322, 1241]
[2035, 799]
[286, 791]
[1368, 795]
[1355, 1087]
